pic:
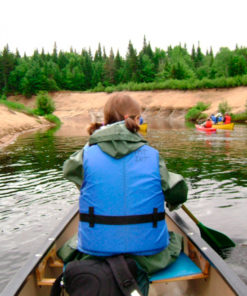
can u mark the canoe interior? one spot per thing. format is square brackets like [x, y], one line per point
[220, 281]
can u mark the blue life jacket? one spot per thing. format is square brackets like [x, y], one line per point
[213, 118]
[123, 188]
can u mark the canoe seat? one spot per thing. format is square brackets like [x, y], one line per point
[51, 260]
[182, 269]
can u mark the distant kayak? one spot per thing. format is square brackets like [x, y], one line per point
[143, 127]
[229, 126]
[205, 129]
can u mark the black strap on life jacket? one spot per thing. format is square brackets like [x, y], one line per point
[91, 218]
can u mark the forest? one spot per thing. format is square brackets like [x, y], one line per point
[173, 68]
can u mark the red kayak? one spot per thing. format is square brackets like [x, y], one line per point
[205, 129]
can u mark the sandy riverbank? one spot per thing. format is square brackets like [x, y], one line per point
[77, 109]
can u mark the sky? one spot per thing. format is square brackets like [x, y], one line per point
[28, 25]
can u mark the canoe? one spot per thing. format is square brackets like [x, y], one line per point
[199, 270]
[143, 127]
[205, 129]
[228, 126]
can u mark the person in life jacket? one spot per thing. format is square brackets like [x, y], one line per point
[208, 123]
[219, 118]
[141, 120]
[227, 118]
[124, 185]
[213, 118]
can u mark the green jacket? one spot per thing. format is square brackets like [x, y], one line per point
[117, 141]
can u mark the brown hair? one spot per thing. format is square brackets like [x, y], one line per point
[120, 107]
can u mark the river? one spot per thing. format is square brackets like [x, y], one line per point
[34, 197]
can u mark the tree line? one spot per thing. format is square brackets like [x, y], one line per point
[152, 69]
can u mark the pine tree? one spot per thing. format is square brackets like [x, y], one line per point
[193, 54]
[7, 64]
[87, 68]
[119, 68]
[199, 56]
[131, 64]
[109, 70]
[54, 53]
[98, 54]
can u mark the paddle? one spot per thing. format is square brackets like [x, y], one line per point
[217, 240]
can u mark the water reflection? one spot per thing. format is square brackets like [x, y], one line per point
[34, 196]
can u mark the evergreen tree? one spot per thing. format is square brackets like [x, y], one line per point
[146, 69]
[119, 68]
[199, 57]
[222, 62]
[87, 68]
[98, 54]
[193, 54]
[131, 64]
[237, 65]
[109, 70]
[7, 64]
[16, 76]
[34, 80]
[54, 53]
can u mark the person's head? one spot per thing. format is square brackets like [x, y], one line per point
[121, 107]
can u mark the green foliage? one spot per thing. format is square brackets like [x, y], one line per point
[53, 118]
[224, 107]
[202, 106]
[17, 106]
[195, 113]
[109, 89]
[174, 68]
[3, 97]
[240, 117]
[98, 88]
[44, 104]
[22, 108]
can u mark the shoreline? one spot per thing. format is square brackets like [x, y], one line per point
[7, 140]
[77, 109]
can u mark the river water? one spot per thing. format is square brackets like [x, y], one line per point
[34, 197]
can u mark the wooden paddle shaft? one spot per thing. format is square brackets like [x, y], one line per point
[188, 212]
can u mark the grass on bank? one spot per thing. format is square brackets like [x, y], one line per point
[44, 107]
[17, 106]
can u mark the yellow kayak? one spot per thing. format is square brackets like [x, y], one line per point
[229, 126]
[143, 127]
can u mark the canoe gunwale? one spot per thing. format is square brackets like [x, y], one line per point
[19, 279]
[237, 285]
